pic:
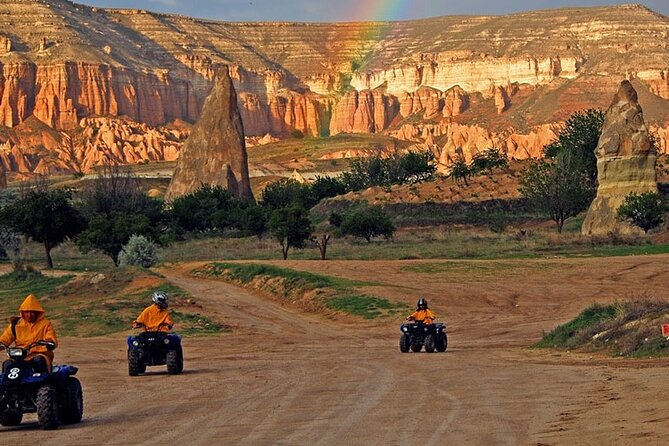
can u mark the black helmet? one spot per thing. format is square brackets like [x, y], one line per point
[159, 298]
[422, 302]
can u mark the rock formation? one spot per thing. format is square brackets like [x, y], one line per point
[64, 63]
[215, 152]
[626, 162]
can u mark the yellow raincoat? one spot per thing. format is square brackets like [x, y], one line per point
[27, 332]
[427, 316]
[153, 318]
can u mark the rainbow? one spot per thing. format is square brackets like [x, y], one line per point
[382, 10]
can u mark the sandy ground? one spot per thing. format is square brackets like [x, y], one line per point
[282, 377]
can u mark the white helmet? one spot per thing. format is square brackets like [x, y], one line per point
[159, 298]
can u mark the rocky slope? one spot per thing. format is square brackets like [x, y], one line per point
[448, 82]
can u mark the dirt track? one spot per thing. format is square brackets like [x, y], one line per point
[282, 377]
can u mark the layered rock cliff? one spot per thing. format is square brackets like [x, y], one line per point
[498, 79]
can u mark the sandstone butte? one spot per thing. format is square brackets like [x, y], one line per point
[80, 86]
[214, 153]
[626, 162]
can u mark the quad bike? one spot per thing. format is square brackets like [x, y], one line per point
[56, 396]
[155, 348]
[417, 334]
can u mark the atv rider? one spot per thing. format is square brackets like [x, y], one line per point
[422, 313]
[30, 327]
[155, 317]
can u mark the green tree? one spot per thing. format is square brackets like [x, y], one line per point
[286, 192]
[558, 188]
[460, 172]
[416, 166]
[116, 209]
[488, 160]
[207, 208]
[252, 219]
[326, 187]
[45, 215]
[367, 222]
[579, 137]
[645, 210]
[291, 227]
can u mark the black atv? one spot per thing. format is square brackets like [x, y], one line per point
[417, 334]
[155, 348]
[56, 397]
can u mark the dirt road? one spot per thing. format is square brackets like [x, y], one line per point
[285, 378]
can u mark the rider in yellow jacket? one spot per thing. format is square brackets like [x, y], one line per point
[31, 327]
[155, 317]
[422, 313]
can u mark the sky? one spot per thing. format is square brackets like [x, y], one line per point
[349, 10]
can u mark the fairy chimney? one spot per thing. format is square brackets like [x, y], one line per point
[626, 162]
[215, 152]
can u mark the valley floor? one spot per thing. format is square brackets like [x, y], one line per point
[285, 377]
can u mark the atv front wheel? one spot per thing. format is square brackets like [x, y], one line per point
[73, 408]
[11, 418]
[173, 363]
[47, 407]
[416, 347]
[429, 343]
[405, 343]
[135, 366]
[442, 342]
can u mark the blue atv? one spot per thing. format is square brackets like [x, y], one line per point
[56, 397]
[417, 334]
[155, 348]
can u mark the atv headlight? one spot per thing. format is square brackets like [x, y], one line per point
[166, 341]
[405, 329]
[135, 343]
[15, 352]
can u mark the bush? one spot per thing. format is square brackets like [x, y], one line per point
[139, 251]
[366, 223]
[645, 210]
[580, 137]
[460, 172]
[487, 160]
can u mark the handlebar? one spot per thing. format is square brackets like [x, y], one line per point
[136, 325]
[48, 344]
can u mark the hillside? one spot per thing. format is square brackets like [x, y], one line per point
[447, 82]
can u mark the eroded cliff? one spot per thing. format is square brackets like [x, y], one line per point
[473, 80]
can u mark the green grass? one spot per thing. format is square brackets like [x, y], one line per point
[368, 307]
[14, 287]
[629, 328]
[74, 312]
[570, 334]
[335, 293]
[302, 280]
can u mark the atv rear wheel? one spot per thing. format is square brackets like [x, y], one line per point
[416, 347]
[47, 407]
[135, 366]
[429, 343]
[10, 418]
[442, 342]
[73, 407]
[173, 363]
[405, 343]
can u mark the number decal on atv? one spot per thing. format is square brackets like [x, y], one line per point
[13, 373]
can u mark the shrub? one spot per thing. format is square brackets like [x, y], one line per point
[487, 160]
[366, 223]
[139, 251]
[645, 210]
